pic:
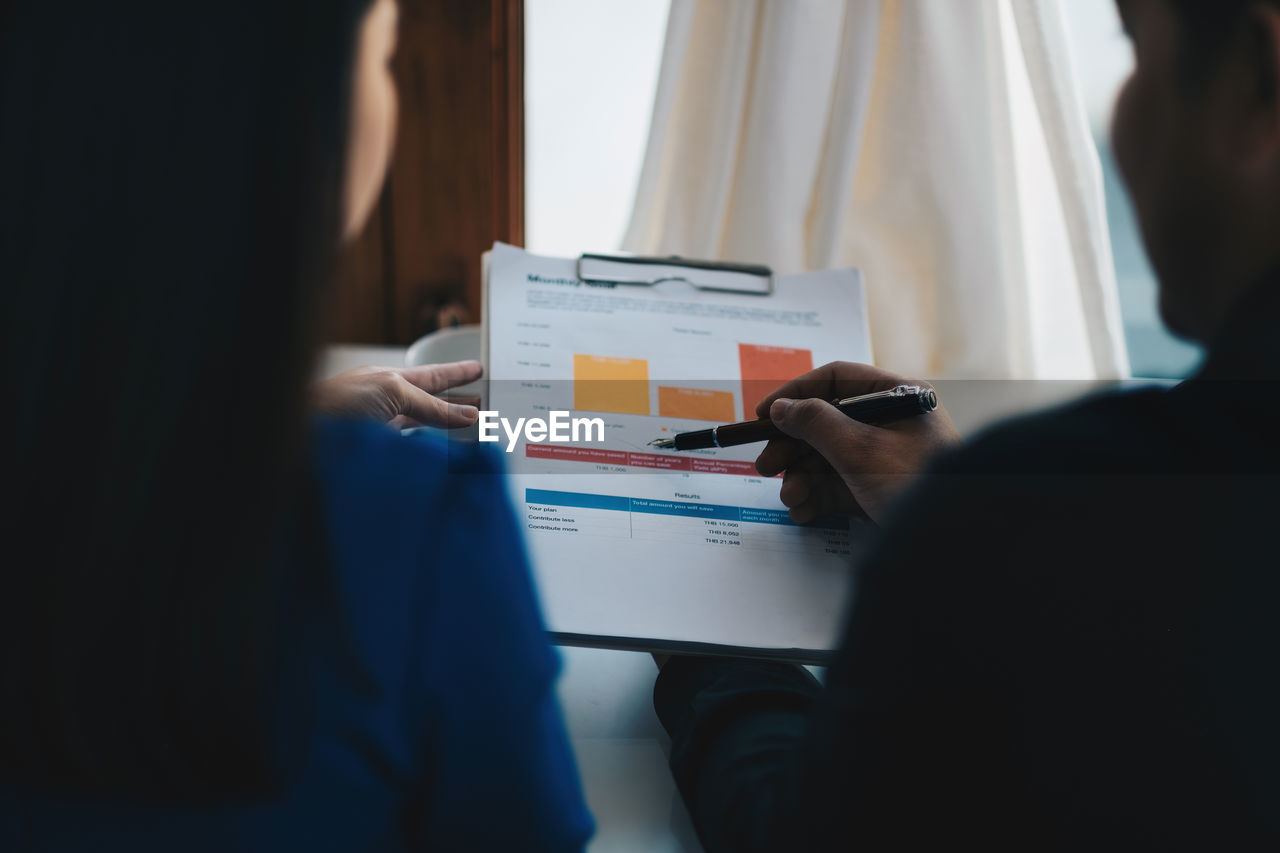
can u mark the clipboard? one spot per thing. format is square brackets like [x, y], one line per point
[718, 276]
[628, 549]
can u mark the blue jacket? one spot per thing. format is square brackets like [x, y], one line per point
[434, 723]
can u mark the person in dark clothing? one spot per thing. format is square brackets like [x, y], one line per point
[1064, 636]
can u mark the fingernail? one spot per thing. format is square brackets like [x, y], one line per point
[468, 412]
[778, 411]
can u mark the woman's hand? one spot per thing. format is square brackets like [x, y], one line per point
[400, 396]
[836, 464]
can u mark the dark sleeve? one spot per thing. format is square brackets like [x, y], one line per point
[504, 774]
[906, 743]
[734, 727]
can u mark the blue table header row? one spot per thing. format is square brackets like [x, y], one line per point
[720, 512]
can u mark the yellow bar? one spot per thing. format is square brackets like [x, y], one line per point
[695, 404]
[603, 383]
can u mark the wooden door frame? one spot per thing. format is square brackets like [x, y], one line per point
[456, 182]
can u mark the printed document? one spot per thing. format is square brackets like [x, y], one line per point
[636, 547]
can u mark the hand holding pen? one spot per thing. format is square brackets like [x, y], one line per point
[878, 407]
[834, 463]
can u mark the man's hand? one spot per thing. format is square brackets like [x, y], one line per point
[400, 396]
[836, 464]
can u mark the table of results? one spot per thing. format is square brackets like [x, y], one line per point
[711, 525]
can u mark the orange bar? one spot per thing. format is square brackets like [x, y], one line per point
[602, 383]
[695, 404]
[765, 368]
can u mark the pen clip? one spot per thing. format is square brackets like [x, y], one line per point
[896, 391]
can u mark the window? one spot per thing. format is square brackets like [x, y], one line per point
[591, 71]
[1103, 59]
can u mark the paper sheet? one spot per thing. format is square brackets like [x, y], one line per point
[646, 548]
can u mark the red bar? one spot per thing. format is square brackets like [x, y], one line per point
[659, 461]
[765, 368]
[723, 466]
[575, 454]
[655, 460]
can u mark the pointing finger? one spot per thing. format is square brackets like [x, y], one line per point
[434, 378]
[433, 411]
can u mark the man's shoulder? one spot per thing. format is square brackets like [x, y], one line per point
[1047, 488]
[1108, 432]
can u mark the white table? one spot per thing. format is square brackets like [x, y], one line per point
[607, 700]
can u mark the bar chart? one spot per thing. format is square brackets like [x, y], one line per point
[764, 368]
[605, 383]
[695, 404]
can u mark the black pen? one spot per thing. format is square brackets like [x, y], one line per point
[877, 408]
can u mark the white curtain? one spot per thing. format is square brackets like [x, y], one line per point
[940, 145]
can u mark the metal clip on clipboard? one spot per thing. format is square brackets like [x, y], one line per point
[722, 276]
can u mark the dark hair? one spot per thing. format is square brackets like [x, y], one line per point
[1207, 29]
[170, 202]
